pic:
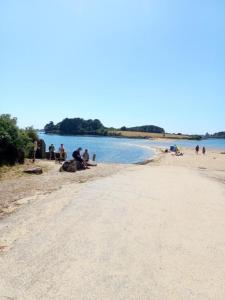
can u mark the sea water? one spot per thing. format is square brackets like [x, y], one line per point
[122, 150]
[107, 149]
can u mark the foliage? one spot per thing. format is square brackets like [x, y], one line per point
[50, 127]
[15, 143]
[31, 133]
[76, 126]
[219, 135]
[146, 128]
[216, 135]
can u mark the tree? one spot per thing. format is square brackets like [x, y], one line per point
[15, 143]
[50, 127]
[76, 126]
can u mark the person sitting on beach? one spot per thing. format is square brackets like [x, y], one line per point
[178, 152]
[85, 156]
[51, 152]
[77, 157]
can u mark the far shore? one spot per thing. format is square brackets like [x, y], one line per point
[136, 135]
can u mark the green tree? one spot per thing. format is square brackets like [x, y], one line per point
[15, 143]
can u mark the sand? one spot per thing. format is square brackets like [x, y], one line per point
[134, 232]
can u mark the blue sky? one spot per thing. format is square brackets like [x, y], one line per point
[126, 62]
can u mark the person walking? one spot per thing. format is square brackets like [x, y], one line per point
[197, 149]
[203, 150]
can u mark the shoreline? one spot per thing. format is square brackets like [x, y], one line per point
[17, 185]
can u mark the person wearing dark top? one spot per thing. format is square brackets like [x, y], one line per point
[77, 156]
[197, 149]
[51, 152]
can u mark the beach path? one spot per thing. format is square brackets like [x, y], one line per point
[149, 232]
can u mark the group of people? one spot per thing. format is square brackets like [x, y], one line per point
[81, 158]
[197, 148]
[61, 151]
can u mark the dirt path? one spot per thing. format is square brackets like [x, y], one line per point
[150, 232]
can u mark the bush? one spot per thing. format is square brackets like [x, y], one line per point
[15, 143]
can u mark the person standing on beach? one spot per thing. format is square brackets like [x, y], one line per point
[35, 150]
[203, 150]
[197, 149]
[51, 152]
[62, 153]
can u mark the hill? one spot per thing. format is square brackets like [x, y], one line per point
[78, 126]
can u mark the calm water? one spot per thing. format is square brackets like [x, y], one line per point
[107, 149]
[121, 150]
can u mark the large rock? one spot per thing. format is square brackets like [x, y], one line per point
[71, 166]
[35, 170]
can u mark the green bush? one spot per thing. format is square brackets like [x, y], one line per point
[15, 143]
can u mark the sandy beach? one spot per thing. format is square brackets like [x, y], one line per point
[152, 231]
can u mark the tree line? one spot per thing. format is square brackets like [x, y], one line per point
[144, 128]
[78, 126]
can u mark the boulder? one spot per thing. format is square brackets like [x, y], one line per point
[35, 170]
[71, 166]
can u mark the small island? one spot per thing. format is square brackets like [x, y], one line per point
[79, 126]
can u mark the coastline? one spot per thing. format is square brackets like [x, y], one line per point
[153, 231]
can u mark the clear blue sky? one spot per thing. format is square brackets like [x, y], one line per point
[126, 62]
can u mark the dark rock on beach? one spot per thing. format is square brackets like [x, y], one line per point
[36, 171]
[71, 166]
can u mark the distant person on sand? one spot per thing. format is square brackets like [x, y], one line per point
[86, 155]
[203, 150]
[35, 150]
[197, 149]
[51, 152]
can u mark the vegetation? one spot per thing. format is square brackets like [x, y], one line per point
[76, 126]
[216, 135]
[147, 135]
[219, 135]
[15, 143]
[145, 128]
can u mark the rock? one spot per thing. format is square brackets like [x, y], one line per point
[36, 171]
[91, 163]
[71, 166]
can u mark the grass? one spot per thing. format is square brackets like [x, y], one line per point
[133, 134]
[10, 172]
